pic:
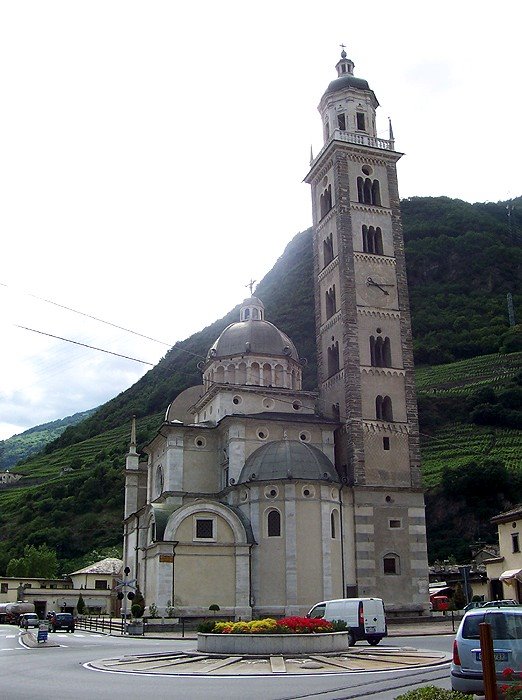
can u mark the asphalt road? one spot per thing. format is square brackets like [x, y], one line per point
[60, 672]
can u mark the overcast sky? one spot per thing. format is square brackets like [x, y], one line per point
[153, 154]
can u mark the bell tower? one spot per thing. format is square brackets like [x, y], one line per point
[364, 346]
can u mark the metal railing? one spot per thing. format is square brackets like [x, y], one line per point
[101, 624]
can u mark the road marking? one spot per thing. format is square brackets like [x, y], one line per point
[10, 636]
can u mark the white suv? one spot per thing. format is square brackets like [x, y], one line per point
[506, 631]
[29, 620]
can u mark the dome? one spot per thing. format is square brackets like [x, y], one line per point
[286, 459]
[254, 337]
[347, 81]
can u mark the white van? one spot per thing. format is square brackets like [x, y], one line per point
[364, 616]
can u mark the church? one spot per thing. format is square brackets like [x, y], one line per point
[263, 498]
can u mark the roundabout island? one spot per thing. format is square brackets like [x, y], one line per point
[196, 663]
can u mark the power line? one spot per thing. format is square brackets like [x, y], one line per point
[85, 345]
[172, 346]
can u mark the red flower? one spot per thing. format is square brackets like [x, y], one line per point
[507, 672]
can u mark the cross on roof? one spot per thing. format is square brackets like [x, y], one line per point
[251, 285]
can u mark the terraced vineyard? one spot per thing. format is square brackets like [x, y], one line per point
[114, 444]
[459, 444]
[466, 376]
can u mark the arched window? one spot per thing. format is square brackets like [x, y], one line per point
[220, 375]
[325, 201]
[230, 375]
[152, 531]
[333, 358]
[255, 374]
[267, 374]
[368, 198]
[273, 523]
[334, 524]
[159, 481]
[255, 313]
[241, 373]
[368, 191]
[330, 302]
[383, 408]
[247, 314]
[279, 375]
[376, 193]
[360, 189]
[379, 250]
[328, 254]
[391, 564]
[380, 352]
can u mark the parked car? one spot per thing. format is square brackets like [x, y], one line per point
[500, 604]
[62, 621]
[506, 631]
[364, 616]
[29, 620]
[474, 604]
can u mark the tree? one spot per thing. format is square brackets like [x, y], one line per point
[80, 605]
[35, 562]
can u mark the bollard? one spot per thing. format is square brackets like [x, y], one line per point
[488, 662]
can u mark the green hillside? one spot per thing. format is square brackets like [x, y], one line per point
[19, 447]
[462, 260]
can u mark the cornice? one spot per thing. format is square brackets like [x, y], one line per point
[335, 379]
[384, 260]
[329, 268]
[371, 209]
[383, 371]
[326, 219]
[378, 313]
[375, 426]
[331, 322]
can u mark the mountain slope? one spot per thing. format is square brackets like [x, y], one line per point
[462, 259]
[32, 441]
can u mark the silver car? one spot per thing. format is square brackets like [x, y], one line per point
[506, 631]
[29, 620]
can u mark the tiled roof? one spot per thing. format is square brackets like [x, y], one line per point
[105, 566]
[508, 515]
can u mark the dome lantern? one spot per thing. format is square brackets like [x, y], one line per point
[252, 309]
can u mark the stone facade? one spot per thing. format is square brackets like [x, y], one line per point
[364, 340]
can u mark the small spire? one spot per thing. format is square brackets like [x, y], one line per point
[132, 446]
[391, 129]
[311, 155]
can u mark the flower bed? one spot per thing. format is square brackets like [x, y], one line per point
[291, 635]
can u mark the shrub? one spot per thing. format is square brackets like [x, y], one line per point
[153, 610]
[206, 626]
[136, 610]
[431, 692]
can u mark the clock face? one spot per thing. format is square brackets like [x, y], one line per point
[377, 288]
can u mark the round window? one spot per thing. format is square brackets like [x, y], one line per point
[262, 433]
[367, 170]
[244, 495]
[268, 403]
[237, 400]
[308, 491]
[271, 492]
[305, 436]
[200, 441]
[296, 405]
